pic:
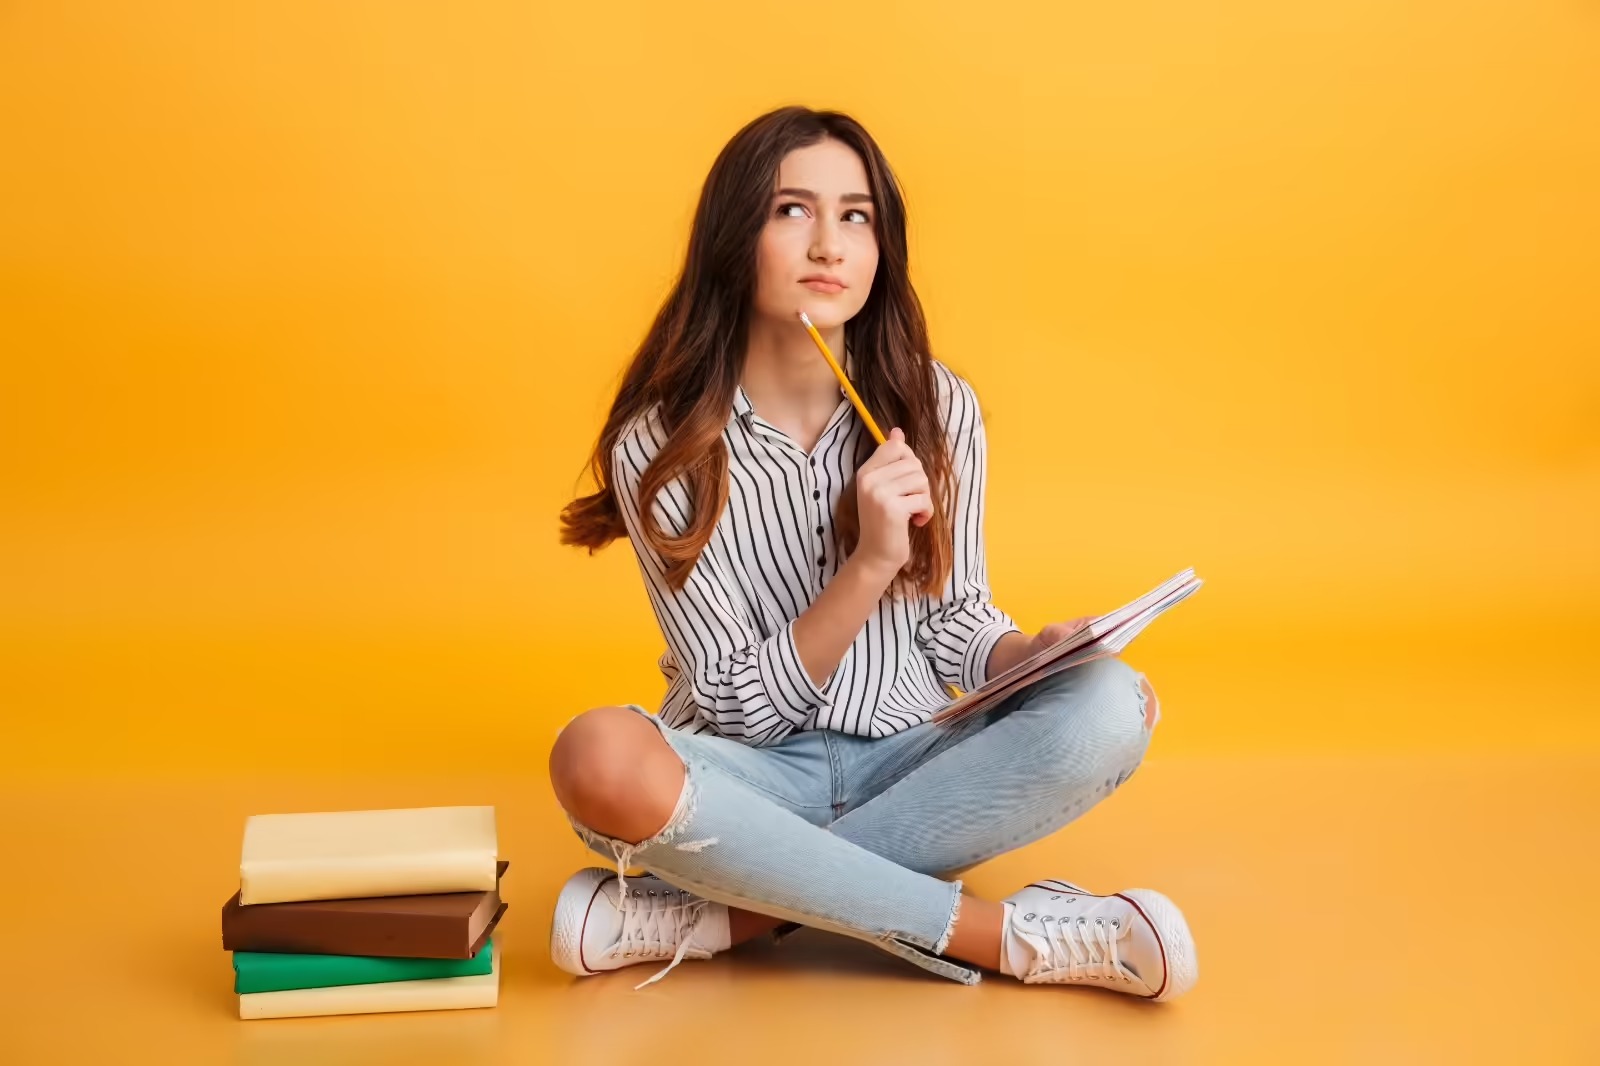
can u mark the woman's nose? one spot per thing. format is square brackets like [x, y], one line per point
[825, 243]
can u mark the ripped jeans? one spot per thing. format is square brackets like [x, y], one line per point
[863, 836]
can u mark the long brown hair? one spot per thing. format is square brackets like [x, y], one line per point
[691, 359]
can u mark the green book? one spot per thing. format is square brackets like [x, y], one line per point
[267, 971]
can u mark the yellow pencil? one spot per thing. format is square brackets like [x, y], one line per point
[844, 382]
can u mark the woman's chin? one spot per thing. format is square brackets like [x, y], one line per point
[826, 316]
[822, 313]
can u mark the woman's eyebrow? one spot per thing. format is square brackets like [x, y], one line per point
[807, 194]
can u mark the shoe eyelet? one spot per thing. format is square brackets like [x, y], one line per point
[1030, 916]
[627, 954]
[1055, 897]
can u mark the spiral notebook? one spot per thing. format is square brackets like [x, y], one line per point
[1104, 636]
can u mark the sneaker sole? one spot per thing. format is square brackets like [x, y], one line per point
[571, 917]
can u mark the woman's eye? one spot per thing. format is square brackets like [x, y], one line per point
[798, 211]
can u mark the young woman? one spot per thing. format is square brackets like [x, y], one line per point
[820, 596]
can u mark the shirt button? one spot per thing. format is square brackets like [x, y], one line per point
[822, 560]
[820, 529]
[817, 495]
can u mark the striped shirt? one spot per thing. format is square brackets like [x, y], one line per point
[731, 663]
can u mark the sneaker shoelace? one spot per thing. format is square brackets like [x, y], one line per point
[653, 922]
[1078, 949]
[654, 918]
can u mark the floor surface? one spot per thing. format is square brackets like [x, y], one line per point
[1346, 909]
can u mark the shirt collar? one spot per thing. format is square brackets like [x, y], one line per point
[742, 407]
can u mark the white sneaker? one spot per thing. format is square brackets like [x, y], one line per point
[1134, 942]
[604, 924]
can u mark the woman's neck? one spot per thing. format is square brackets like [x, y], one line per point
[787, 380]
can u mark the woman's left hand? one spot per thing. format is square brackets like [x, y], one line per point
[1016, 647]
[1055, 633]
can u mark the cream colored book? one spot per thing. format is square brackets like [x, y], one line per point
[289, 858]
[390, 997]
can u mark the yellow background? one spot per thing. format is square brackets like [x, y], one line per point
[309, 313]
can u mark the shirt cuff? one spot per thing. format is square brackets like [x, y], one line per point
[975, 665]
[789, 687]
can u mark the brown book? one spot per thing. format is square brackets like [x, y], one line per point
[447, 925]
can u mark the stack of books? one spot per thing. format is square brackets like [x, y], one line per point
[366, 912]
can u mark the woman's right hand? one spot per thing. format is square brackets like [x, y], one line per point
[891, 491]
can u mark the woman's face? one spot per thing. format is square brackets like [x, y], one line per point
[819, 250]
